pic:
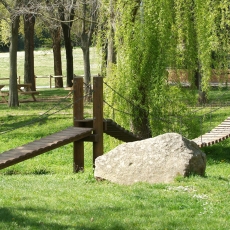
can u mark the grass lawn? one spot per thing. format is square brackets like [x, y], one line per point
[43, 65]
[43, 193]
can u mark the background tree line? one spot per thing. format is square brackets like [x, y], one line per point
[42, 40]
[38, 21]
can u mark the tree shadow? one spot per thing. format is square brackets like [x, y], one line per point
[218, 153]
[30, 120]
[10, 217]
[14, 217]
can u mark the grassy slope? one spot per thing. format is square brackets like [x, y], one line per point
[43, 193]
[43, 64]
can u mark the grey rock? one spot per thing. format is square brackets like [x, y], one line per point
[155, 160]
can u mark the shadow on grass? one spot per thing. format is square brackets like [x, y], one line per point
[29, 123]
[218, 153]
[16, 218]
[11, 219]
[21, 124]
[11, 172]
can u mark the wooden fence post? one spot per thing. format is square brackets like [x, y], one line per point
[98, 116]
[78, 146]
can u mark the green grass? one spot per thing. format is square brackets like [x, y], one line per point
[43, 65]
[43, 193]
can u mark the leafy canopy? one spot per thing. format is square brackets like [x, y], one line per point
[153, 38]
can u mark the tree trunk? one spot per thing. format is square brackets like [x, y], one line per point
[56, 35]
[29, 21]
[88, 8]
[86, 59]
[69, 54]
[140, 120]
[87, 73]
[111, 58]
[111, 53]
[13, 95]
[108, 47]
[66, 24]
[104, 56]
[202, 99]
[140, 126]
[85, 45]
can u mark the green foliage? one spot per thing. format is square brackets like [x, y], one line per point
[170, 112]
[143, 57]
[4, 32]
[157, 37]
[4, 25]
[42, 36]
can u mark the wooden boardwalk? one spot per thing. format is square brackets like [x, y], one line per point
[218, 134]
[43, 145]
[72, 134]
[112, 129]
[84, 130]
[59, 139]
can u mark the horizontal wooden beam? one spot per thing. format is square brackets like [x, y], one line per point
[91, 138]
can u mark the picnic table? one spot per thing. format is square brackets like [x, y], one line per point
[23, 89]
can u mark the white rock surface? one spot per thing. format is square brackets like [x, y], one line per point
[154, 160]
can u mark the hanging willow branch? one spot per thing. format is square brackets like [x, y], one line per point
[188, 35]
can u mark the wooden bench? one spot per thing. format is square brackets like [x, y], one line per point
[21, 91]
[32, 93]
[28, 92]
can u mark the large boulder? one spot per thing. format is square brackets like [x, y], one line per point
[155, 160]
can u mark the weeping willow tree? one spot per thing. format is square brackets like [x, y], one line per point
[153, 38]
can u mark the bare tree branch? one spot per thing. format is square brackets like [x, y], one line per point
[6, 5]
[40, 9]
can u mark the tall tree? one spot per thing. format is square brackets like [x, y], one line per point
[4, 26]
[13, 93]
[88, 10]
[111, 52]
[66, 12]
[48, 15]
[151, 39]
[29, 21]
[14, 27]
[55, 29]
[106, 31]
[56, 37]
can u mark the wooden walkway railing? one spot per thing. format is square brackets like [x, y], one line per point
[218, 134]
[84, 130]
